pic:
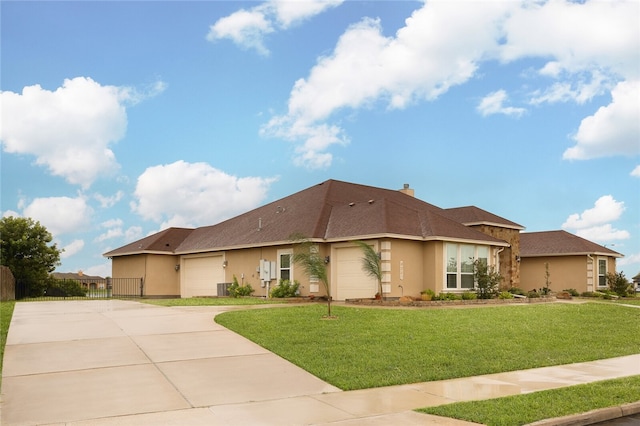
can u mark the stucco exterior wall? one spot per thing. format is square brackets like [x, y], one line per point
[128, 266]
[161, 278]
[407, 268]
[565, 272]
[158, 271]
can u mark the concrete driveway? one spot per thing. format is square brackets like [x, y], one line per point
[117, 362]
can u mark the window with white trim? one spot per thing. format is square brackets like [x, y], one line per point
[602, 272]
[285, 267]
[459, 264]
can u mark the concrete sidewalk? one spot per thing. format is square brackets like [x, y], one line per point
[116, 362]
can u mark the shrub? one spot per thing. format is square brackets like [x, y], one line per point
[518, 291]
[589, 294]
[285, 289]
[469, 295]
[236, 290]
[618, 284]
[505, 295]
[572, 291]
[533, 294]
[447, 296]
[487, 279]
[65, 288]
[428, 294]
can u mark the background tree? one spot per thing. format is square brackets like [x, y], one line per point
[305, 254]
[25, 247]
[619, 284]
[371, 263]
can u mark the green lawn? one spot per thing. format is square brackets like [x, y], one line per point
[523, 409]
[367, 348]
[6, 311]
[212, 301]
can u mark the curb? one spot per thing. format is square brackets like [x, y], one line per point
[591, 417]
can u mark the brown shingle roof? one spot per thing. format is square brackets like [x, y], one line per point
[472, 215]
[165, 241]
[333, 210]
[558, 243]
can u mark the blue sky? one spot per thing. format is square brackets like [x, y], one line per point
[121, 118]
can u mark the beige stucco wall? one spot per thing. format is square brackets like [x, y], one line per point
[157, 270]
[161, 278]
[128, 266]
[407, 268]
[565, 272]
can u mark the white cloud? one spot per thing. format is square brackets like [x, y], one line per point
[595, 223]
[576, 36]
[69, 130]
[606, 209]
[636, 172]
[133, 233]
[493, 103]
[112, 223]
[602, 233]
[614, 129]
[422, 61]
[629, 260]
[588, 48]
[72, 248]
[110, 234]
[60, 215]
[195, 194]
[106, 201]
[247, 28]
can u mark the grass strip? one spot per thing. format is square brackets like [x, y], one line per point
[212, 301]
[366, 348]
[6, 312]
[523, 409]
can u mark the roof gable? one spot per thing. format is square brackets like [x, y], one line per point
[165, 241]
[472, 215]
[558, 243]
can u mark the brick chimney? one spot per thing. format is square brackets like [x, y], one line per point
[407, 190]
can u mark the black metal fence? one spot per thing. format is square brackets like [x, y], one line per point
[80, 289]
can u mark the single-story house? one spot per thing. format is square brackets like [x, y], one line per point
[573, 262]
[421, 246]
[92, 282]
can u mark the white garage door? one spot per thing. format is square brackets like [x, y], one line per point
[201, 276]
[352, 281]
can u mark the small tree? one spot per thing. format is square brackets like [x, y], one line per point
[618, 284]
[371, 263]
[486, 278]
[305, 254]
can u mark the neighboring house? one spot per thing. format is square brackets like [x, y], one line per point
[87, 281]
[573, 262]
[636, 282]
[421, 246]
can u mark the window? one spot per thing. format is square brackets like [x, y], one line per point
[602, 272]
[284, 268]
[459, 264]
